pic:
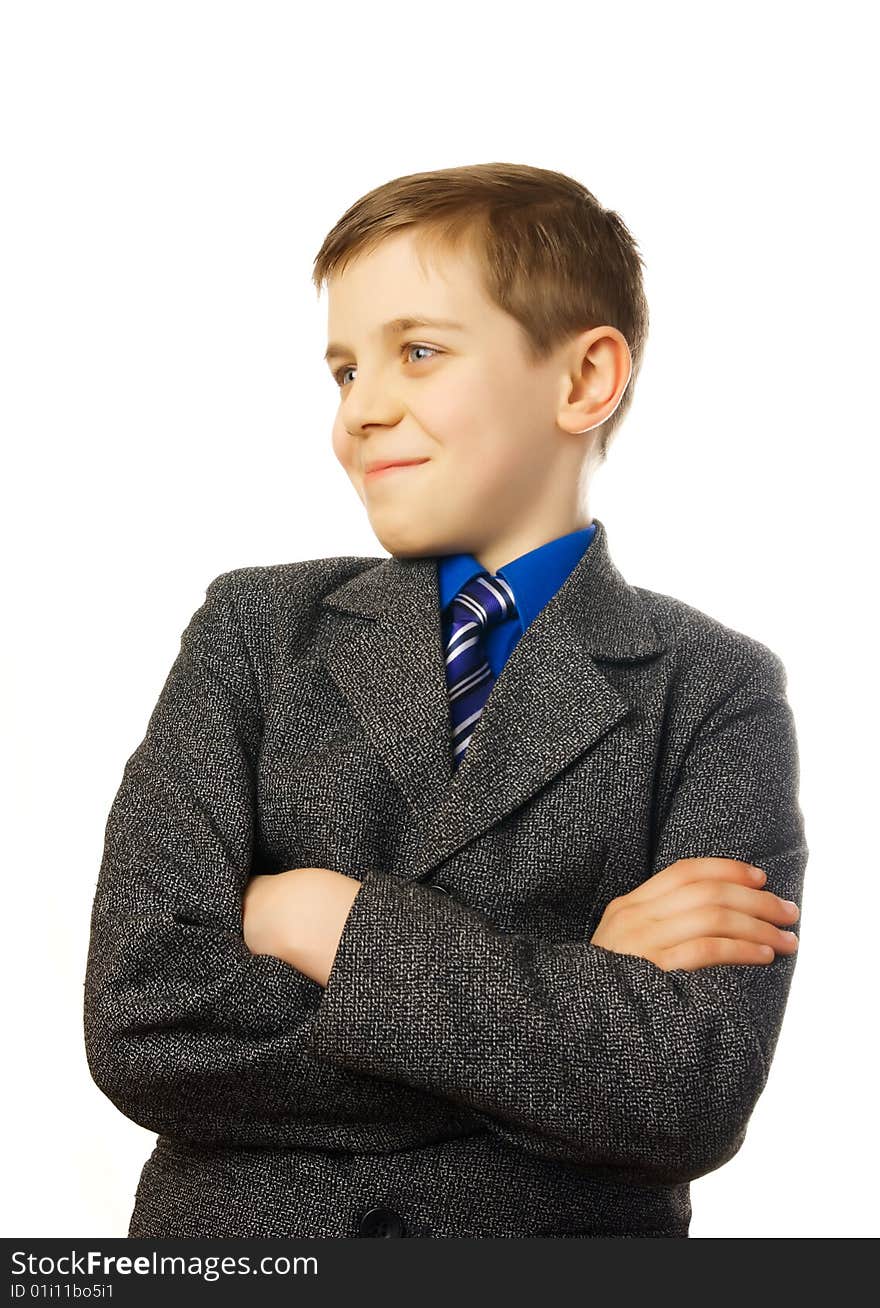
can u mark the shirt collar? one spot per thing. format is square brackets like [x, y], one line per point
[534, 577]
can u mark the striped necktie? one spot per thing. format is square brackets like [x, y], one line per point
[484, 601]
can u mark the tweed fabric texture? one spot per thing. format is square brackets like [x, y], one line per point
[473, 1062]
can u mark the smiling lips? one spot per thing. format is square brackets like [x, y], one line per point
[376, 469]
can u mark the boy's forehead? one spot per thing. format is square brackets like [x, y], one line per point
[399, 279]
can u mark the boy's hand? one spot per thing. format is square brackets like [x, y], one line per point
[298, 916]
[699, 912]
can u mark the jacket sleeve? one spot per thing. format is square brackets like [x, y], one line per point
[568, 1050]
[186, 1031]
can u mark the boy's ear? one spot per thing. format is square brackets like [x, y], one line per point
[601, 369]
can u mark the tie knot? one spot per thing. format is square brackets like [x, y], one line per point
[484, 599]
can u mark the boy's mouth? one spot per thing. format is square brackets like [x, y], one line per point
[384, 466]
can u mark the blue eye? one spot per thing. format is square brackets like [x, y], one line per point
[404, 349]
[421, 347]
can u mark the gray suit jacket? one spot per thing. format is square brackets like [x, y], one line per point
[474, 1067]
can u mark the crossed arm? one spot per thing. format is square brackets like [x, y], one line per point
[696, 913]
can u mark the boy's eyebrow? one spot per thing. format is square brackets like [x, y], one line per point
[335, 350]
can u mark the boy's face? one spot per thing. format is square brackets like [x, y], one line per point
[501, 470]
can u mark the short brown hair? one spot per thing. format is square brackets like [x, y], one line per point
[553, 257]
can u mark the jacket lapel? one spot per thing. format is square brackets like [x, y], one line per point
[550, 704]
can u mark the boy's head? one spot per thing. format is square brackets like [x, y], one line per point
[511, 410]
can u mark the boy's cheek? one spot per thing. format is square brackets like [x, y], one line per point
[346, 454]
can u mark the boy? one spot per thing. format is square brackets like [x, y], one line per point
[431, 903]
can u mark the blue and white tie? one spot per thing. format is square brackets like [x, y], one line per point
[484, 601]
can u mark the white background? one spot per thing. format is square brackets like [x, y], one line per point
[169, 172]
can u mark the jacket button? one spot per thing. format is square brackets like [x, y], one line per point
[384, 1223]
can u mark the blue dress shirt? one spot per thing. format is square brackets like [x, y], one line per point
[534, 578]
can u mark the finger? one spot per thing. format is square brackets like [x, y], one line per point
[685, 870]
[762, 904]
[707, 920]
[712, 951]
